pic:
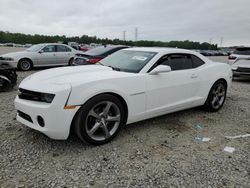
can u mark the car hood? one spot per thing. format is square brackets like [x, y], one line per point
[72, 75]
[16, 54]
[242, 63]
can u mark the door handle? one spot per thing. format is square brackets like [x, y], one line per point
[194, 76]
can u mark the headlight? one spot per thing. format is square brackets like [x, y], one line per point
[35, 96]
[234, 67]
[7, 58]
[46, 97]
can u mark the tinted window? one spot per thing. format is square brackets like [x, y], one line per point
[61, 48]
[49, 48]
[196, 61]
[180, 62]
[242, 51]
[99, 50]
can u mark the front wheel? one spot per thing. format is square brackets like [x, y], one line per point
[216, 97]
[24, 65]
[100, 119]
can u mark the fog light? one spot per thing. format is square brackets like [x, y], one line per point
[40, 121]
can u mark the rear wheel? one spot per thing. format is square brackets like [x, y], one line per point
[71, 61]
[25, 64]
[216, 97]
[100, 119]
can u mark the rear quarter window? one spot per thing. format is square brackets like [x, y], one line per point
[196, 61]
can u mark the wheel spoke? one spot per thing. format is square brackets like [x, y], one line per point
[217, 100]
[113, 118]
[214, 100]
[94, 128]
[221, 94]
[107, 108]
[94, 114]
[106, 131]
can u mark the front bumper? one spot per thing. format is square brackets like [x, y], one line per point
[57, 120]
[241, 72]
[10, 64]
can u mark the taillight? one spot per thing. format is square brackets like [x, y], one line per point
[231, 57]
[94, 60]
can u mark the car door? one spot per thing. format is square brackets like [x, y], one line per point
[47, 56]
[63, 54]
[172, 90]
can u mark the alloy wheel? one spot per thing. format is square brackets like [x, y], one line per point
[25, 65]
[218, 96]
[103, 120]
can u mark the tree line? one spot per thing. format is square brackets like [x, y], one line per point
[20, 38]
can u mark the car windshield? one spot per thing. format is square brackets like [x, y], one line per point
[99, 50]
[128, 60]
[35, 48]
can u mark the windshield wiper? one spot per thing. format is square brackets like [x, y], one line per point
[115, 68]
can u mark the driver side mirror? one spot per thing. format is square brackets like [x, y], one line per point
[160, 69]
[41, 51]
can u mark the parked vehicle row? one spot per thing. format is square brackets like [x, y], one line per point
[130, 85]
[213, 53]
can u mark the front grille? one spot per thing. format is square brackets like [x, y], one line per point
[243, 69]
[29, 95]
[24, 116]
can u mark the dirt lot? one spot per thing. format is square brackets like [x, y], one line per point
[160, 152]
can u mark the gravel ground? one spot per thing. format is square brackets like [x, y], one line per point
[160, 152]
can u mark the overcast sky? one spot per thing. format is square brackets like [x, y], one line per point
[163, 20]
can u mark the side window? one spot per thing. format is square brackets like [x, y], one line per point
[180, 62]
[196, 61]
[68, 49]
[49, 48]
[61, 48]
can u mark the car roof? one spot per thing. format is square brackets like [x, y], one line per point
[52, 44]
[161, 50]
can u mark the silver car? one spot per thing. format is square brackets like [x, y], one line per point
[241, 67]
[49, 54]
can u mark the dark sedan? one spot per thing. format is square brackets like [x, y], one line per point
[96, 54]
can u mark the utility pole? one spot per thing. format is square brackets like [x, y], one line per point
[221, 41]
[210, 42]
[124, 35]
[136, 34]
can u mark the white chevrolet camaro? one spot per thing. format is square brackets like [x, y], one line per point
[131, 85]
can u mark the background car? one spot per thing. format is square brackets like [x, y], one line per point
[241, 52]
[130, 85]
[48, 54]
[241, 67]
[96, 54]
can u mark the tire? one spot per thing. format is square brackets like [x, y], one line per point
[25, 65]
[100, 119]
[71, 61]
[4, 85]
[216, 96]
